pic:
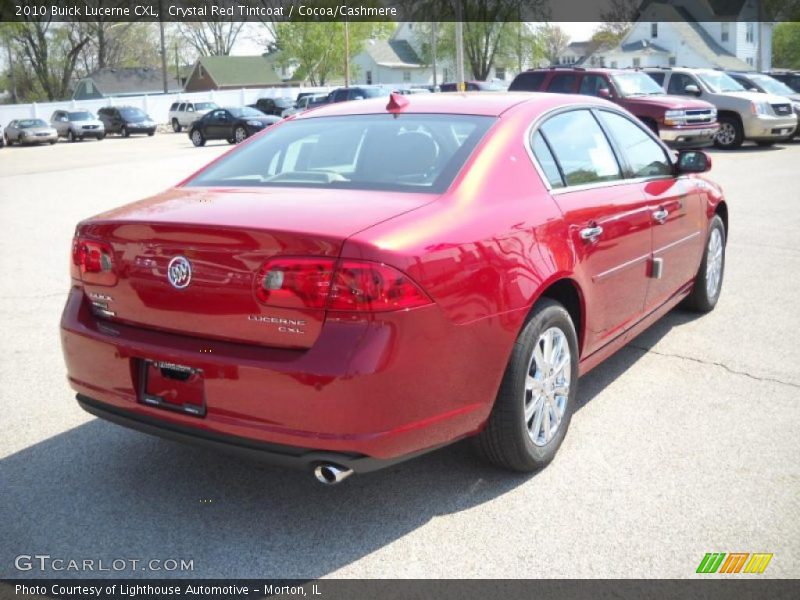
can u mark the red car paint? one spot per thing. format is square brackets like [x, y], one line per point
[374, 385]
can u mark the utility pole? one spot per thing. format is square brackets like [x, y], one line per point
[433, 52]
[461, 85]
[177, 64]
[346, 54]
[759, 32]
[163, 48]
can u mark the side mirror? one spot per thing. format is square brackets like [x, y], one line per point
[752, 89]
[604, 93]
[692, 89]
[693, 161]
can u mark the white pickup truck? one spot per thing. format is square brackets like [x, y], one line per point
[183, 114]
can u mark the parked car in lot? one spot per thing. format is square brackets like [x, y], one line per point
[790, 78]
[2, 137]
[183, 114]
[30, 131]
[305, 103]
[679, 121]
[77, 125]
[234, 124]
[475, 86]
[359, 92]
[374, 280]
[759, 82]
[126, 120]
[742, 115]
[273, 106]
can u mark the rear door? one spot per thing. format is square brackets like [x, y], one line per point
[676, 208]
[608, 220]
[563, 83]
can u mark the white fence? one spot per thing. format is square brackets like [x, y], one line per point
[157, 105]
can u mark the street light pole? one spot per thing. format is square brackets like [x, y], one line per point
[346, 54]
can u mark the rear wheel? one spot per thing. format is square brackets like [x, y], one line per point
[537, 396]
[176, 127]
[9, 143]
[730, 134]
[197, 138]
[708, 283]
[239, 134]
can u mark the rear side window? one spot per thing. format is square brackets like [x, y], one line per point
[409, 152]
[174, 106]
[546, 161]
[657, 77]
[527, 82]
[581, 148]
[644, 156]
[563, 83]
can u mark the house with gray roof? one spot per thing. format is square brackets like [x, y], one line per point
[722, 34]
[116, 82]
[237, 72]
[391, 61]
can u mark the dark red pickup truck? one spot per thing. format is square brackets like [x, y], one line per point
[679, 121]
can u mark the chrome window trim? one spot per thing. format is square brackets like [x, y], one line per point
[538, 121]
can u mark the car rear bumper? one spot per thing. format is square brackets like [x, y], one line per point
[384, 390]
[689, 137]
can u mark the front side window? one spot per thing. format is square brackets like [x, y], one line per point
[636, 84]
[720, 82]
[581, 148]
[592, 84]
[409, 152]
[644, 156]
[678, 83]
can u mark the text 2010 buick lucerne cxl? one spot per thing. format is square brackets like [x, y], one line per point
[369, 281]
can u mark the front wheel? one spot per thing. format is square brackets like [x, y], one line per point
[537, 395]
[197, 138]
[730, 134]
[70, 136]
[239, 134]
[124, 131]
[176, 126]
[708, 283]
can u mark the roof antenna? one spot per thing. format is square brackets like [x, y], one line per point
[396, 102]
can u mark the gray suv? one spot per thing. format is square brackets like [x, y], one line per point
[742, 114]
[77, 125]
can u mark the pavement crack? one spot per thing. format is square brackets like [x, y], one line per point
[715, 364]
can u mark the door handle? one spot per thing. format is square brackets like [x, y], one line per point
[661, 215]
[590, 234]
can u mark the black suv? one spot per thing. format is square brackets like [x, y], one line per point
[273, 106]
[790, 78]
[126, 120]
[360, 92]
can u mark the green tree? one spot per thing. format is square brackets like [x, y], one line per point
[786, 45]
[318, 48]
[553, 41]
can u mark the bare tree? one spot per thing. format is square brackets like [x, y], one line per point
[553, 41]
[211, 38]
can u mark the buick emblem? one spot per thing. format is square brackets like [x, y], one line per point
[179, 272]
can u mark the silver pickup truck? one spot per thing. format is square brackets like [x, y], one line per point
[183, 114]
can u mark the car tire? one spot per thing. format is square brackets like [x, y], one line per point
[101, 137]
[151, 133]
[730, 134]
[708, 283]
[70, 136]
[9, 143]
[517, 435]
[51, 142]
[197, 138]
[124, 132]
[176, 126]
[239, 135]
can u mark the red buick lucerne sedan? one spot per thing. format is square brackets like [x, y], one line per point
[368, 281]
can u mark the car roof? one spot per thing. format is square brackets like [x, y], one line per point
[458, 103]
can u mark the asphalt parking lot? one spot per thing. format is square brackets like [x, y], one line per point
[685, 442]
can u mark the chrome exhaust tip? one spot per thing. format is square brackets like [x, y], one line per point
[330, 474]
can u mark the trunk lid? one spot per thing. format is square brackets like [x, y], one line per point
[226, 235]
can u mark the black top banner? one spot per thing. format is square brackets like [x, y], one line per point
[399, 10]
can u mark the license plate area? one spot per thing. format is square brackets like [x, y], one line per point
[172, 386]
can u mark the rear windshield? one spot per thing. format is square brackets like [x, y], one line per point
[410, 152]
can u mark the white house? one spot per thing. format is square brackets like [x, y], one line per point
[682, 33]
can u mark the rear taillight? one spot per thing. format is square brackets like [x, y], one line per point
[93, 262]
[356, 286]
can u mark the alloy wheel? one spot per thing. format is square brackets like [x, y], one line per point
[547, 385]
[714, 263]
[726, 134]
[197, 138]
[240, 135]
